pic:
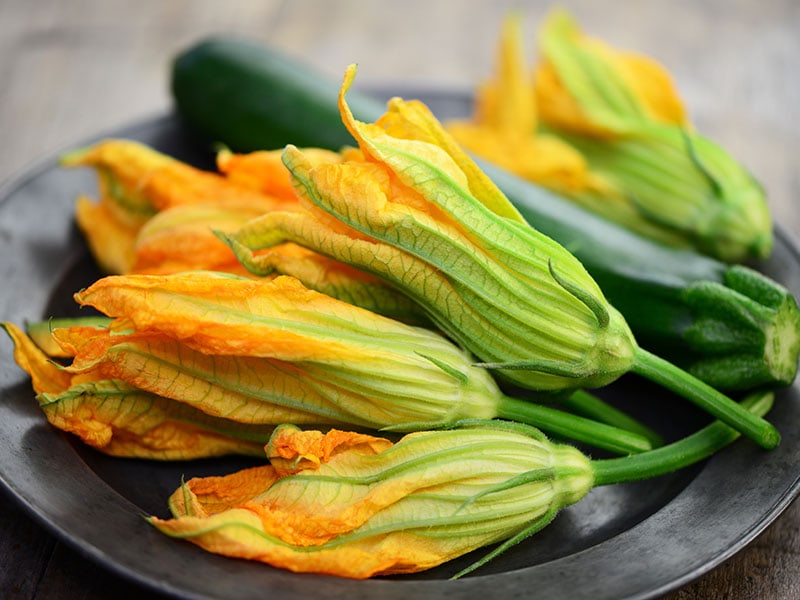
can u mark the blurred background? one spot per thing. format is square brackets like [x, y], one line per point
[73, 70]
[70, 70]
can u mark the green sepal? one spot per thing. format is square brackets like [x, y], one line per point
[459, 376]
[550, 367]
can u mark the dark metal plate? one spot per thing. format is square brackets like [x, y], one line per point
[635, 540]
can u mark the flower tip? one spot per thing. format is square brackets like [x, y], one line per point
[75, 158]
[78, 296]
[295, 161]
[229, 239]
[344, 110]
[349, 77]
[558, 21]
[512, 22]
[290, 151]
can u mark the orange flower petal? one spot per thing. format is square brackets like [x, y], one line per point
[585, 86]
[120, 420]
[264, 171]
[291, 450]
[46, 376]
[110, 238]
[412, 127]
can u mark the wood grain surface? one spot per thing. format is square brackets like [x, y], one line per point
[73, 69]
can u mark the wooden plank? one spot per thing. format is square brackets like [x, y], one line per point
[25, 550]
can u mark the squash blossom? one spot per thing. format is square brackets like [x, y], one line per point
[122, 420]
[265, 352]
[135, 183]
[181, 239]
[621, 111]
[156, 215]
[264, 171]
[415, 210]
[357, 506]
[504, 127]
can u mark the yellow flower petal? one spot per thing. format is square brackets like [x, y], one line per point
[264, 171]
[110, 238]
[507, 103]
[503, 127]
[269, 352]
[292, 450]
[223, 314]
[136, 183]
[243, 389]
[182, 239]
[155, 181]
[120, 420]
[414, 124]
[45, 375]
[585, 86]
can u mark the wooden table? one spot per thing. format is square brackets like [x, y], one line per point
[73, 69]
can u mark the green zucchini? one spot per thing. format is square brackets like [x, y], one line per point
[728, 325]
[249, 97]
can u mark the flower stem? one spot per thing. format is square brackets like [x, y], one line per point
[664, 373]
[590, 406]
[573, 427]
[680, 454]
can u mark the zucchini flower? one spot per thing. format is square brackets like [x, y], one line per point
[415, 210]
[353, 505]
[263, 171]
[135, 183]
[264, 352]
[182, 239]
[504, 127]
[122, 420]
[156, 215]
[622, 113]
